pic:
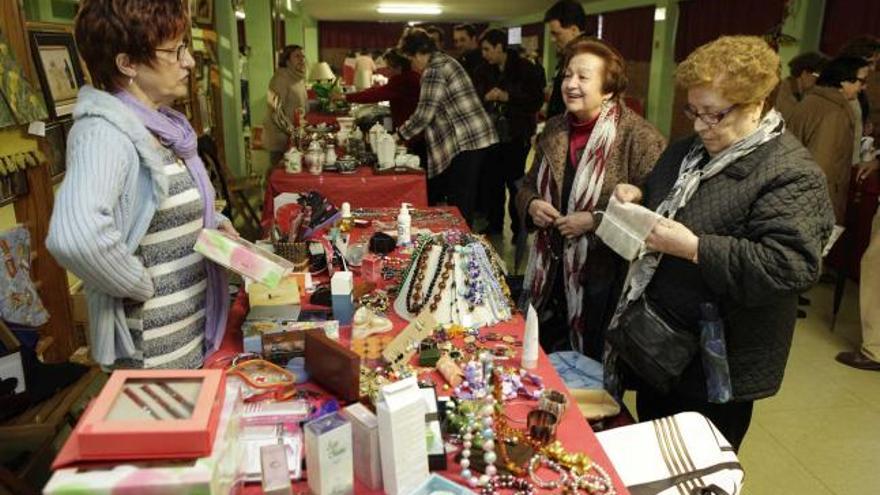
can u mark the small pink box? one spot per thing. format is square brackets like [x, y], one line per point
[153, 414]
[371, 268]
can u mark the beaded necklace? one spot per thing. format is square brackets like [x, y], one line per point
[447, 269]
[414, 300]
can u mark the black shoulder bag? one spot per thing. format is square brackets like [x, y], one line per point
[653, 349]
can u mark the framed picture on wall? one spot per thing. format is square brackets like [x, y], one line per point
[58, 67]
[202, 11]
[12, 186]
[55, 150]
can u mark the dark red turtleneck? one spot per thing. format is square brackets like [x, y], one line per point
[579, 134]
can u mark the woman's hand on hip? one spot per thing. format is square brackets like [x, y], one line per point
[576, 224]
[543, 213]
[628, 193]
[671, 237]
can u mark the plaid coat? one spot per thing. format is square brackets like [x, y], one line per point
[450, 113]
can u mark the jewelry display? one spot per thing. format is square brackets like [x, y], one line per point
[159, 400]
[453, 275]
[541, 460]
[553, 401]
[508, 482]
[598, 483]
[377, 301]
[577, 462]
[176, 396]
[140, 403]
[478, 428]
[541, 426]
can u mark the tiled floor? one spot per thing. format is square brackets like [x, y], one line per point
[820, 435]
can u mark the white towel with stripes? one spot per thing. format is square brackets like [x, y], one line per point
[682, 454]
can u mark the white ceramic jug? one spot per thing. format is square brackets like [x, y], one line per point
[293, 161]
[330, 155]
[314, 159]
[385, 153]
[375, 132]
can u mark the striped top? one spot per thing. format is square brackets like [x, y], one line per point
[169, 329]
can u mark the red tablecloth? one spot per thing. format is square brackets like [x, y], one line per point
[573, 431]
[316, 118]
[363, 189]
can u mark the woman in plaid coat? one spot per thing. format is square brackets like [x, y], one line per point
[457, 129]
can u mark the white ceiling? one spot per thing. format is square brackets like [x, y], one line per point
[453, 10]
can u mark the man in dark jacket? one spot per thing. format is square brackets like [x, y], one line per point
[512, 91]
[566, 20]
[467, 43]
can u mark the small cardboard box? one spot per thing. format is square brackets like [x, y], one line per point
[365, 433]
[243, 257]
[329, 458]
[153, 414]
[215, 474]
[401, 413]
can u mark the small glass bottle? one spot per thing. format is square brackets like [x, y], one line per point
[347, 221]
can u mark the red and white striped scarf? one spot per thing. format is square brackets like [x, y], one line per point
[585, 191]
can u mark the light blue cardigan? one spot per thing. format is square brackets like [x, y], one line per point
[111, 190]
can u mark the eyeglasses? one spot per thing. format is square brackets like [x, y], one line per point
[711, 119]
[863, 80]
[180, 51]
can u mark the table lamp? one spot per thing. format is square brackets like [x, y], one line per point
[325, 84]
[321, 71]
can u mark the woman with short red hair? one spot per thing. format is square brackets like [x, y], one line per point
[573, 279]
[136, 194]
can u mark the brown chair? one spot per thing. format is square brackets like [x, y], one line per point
[236, 191]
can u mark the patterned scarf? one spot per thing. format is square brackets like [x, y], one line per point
[690, 177]
[585, 191]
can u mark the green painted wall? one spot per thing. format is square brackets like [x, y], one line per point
[230, 85]
[602, 6]
[294, 25]
[61, 11]
[310, 39]
[661, 85]
[258, 27]
[805, 25]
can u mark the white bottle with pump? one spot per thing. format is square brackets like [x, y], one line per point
[404, 226]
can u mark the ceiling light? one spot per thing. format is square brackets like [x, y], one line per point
[424, 9]
[660, 14]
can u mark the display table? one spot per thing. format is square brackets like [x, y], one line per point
[362, 189]
[573, 431]
[318, 118]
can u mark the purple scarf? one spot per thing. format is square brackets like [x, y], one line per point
[175, 132]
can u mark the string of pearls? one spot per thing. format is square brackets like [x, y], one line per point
[478, 427]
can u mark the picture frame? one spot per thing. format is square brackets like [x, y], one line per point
[202, 11]
[13, 186]
[56, 150]
[58, 66]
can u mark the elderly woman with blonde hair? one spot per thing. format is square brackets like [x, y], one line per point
[745, 216]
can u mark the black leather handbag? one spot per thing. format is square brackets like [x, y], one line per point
[653, 349]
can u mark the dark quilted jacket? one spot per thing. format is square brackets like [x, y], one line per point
[762, 223]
